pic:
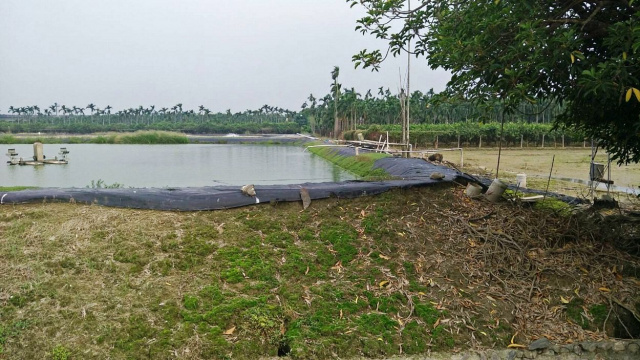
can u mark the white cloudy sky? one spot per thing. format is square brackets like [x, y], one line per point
[232, 54]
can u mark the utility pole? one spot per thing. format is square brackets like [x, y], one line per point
[405, 126]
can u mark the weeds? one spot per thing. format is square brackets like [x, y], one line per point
[100, 184]
[60, 352]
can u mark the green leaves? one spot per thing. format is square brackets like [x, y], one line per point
[527, 51]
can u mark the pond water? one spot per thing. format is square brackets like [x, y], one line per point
[171, 166]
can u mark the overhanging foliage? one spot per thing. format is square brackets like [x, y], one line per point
[583, 54]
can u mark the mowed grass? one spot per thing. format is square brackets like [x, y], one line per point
[373, 276]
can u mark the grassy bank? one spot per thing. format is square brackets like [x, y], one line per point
[12, 139]
[16, 188]
[361, 165]
[142, 137]
[406, 272]
[138, 137]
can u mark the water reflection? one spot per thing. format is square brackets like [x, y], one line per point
[173, 166]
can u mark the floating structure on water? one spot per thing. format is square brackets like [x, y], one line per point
[38, 157]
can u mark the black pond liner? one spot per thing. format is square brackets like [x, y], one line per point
[409, 173]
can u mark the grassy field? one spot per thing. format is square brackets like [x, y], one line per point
[536, 163]
[406, 272]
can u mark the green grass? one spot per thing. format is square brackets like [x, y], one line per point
[597, 314]
[10, 139]
[142, 137]
[83, 281]
[554, 205]
[361, 165]
[16, 188]
[138, 137]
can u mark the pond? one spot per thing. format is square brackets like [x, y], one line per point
[172, 166]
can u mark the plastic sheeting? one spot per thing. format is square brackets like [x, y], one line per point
[411, 173]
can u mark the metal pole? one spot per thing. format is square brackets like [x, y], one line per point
[549, 179]
[408, 79]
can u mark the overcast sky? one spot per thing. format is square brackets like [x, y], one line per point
[231, 54]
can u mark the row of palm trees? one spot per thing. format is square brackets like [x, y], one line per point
[147, 115]
[339, 110]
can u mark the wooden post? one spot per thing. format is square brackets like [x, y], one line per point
[562, 140]
[458, 140]
[542, 140]
[521, 140]
[480, 142]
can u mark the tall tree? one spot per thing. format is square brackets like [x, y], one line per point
[584, 55]
[336, 90]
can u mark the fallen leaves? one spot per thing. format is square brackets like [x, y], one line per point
[338, 266]
[513, 344]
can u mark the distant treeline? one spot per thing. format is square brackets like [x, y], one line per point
[344, 110]
[184, 127]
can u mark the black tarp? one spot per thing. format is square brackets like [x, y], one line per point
[409, 173]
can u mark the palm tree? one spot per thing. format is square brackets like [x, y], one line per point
[107, 109]
[336, 88]
[54, 108]
[64, 110]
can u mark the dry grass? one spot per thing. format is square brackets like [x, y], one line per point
[536, 163]
[405, 272]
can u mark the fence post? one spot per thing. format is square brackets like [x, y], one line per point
[458, 140]
[562, 140]
[480, 142]
[521, 140]
[542, 140]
